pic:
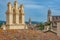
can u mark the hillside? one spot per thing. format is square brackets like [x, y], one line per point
[1, 22]
[33, 22]
[27, 35]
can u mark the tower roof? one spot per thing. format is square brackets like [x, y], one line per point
[9, 3]
[21, 5]
[29, 20]
[15, 2]
[49, 10]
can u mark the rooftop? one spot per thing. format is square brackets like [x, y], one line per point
[27, 35]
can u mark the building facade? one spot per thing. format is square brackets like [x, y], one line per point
[53, 19]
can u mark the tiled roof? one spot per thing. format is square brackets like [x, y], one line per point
[27, 35]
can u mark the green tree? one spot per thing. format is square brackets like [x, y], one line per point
[41, 27]
[48, 24]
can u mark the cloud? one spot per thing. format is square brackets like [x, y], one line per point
[34, 6]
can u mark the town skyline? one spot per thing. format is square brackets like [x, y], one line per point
[36, 10]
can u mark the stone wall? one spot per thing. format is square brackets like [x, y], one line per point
[17, 27]
[58, 28]
[46, 28]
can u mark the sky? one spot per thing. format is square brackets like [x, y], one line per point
[37, 10]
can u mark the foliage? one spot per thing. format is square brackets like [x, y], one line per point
[41, 26]
[0, 24]
[48, 23]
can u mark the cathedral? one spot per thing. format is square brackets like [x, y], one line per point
[15, 17]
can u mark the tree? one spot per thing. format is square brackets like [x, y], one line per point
[41, 27]
[48, 24]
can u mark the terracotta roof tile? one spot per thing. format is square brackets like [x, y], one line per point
[27, 35]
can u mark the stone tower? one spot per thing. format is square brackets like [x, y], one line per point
[29, 21]
[49, 20]
[9, 17]
[49, 15]
[21, 13]
[15, 13]
[15, 17]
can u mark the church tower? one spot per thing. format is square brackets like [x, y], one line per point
[21, 14]
[15, 13]
[9, 13]
[49, 15]
[29, 21]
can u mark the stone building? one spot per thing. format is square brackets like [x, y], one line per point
[58, 28]
[53, 19]
[15, 17]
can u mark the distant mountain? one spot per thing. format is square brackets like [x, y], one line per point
[33, 22]
[2, 22]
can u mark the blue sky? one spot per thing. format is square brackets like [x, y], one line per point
[35, 9]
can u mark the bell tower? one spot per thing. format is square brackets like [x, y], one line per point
[29, 21]
[49, 15]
